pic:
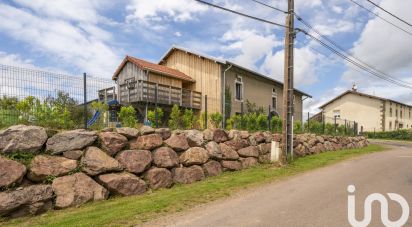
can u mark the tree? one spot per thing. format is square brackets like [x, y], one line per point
[253, 108]
[228, 102]
[216, 119]
[151, 115]
[127, 116]
[188, 119]
[174, 118]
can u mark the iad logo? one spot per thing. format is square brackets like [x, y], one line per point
[384, 209]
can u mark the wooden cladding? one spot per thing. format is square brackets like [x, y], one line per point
[142, 91]
[205, 72]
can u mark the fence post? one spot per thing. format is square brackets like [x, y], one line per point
[85, 100]
[323, 124]
[269, 118]
[335, 124]
[354, 128]
[156, 114]
[205, 111]
[241, 114]
[345, 127]
[308, 123]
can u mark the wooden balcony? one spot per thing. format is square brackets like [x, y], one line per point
[145, 91]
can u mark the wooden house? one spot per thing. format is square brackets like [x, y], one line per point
[140, 83]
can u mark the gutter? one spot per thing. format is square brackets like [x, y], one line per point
[224, 95]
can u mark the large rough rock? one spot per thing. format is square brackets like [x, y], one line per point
[123, 183]
[112, 142]
[213, 149]
[22, 138]
[194, 156]
[135, 161]
[231, 165]
[251, 151]
[228, 153]
[237, 144]
[219, 135]
[159, 178]
[11, 172]
[194, 138]
[31, 200]
[259, 137]
[146, 142]
[188, 175]
[130, 133]
[45, 165]
[70, 140]
[264, 148]
[75, 154]
[177, 142]
[77, 189]
[96, 161]
[146, 130]
[265, 158]
[212, 168]
[165, 133]
[248, 162]
[165, 157]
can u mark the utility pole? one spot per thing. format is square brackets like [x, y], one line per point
[287, 114]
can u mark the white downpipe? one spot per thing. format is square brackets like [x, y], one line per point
[224, 95]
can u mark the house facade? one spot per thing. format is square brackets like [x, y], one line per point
[212, 75]
[371, 112]
[185, 78]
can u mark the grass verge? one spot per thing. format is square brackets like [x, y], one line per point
[128, 211]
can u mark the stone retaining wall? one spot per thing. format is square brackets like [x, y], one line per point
[74, 167]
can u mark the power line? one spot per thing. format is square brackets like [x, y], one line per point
[241, 14]
[272, 7]
[377, 15]
[345, 51]
[347, 56]
[333, 50]
[386, 11]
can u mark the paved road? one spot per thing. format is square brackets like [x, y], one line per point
[316, 198]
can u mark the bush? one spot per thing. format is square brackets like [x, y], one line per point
[201, 121]
[127, 116]
[234, 122]
[174, 118]
[276, 124]
[188, 119]
[215, 119]
[262, 122]
[151, 116]
[297, 127]
[402, 134]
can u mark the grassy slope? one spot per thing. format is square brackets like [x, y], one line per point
[137, 209]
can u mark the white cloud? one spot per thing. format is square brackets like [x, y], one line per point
[178, 34]
[63, 42]
[306, 64]
[147, 11]
[15, 60]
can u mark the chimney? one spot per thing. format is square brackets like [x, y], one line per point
[354, 87]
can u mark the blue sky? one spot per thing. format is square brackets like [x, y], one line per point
[75, 36]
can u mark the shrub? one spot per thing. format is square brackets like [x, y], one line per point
[234, 122]
[127, 116]
[329, 129]
[402, 134]
[297, 127]
[174, 118]
[215, 119]
[188, 119]
[151, 116]
[201, 120]
[262, 122]
[251, 124]
[276, 124]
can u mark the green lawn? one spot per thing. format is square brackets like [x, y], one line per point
[127, 211]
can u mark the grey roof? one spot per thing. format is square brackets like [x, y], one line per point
[224, 62]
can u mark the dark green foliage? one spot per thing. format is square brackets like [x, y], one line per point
[23, 157]
[253, 108]
[188, 119]
[402, 134]
[276, 124]
[228, 102]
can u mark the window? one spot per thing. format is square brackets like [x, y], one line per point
[239, 88]
[401, 113]
[274, 102]
[336, 113]
[396, 113]
[390, 125]
[390, 112]
[274, 98]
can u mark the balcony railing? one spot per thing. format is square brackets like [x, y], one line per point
[142, 91]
